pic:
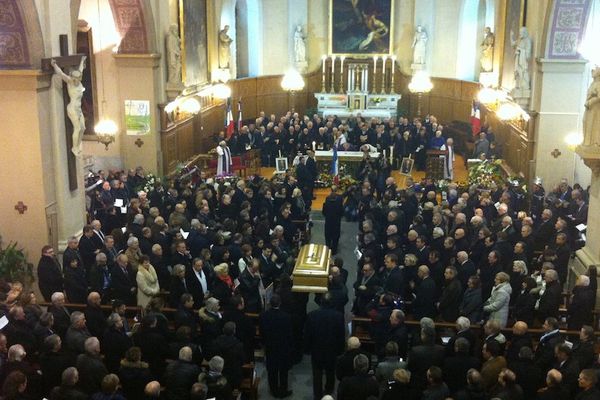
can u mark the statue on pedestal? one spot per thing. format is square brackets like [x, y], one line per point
[419, 45]
[74, 112]
[522, 46]
[174, 54]
[591, 115]
[224, 51]
[487, 51]
[299, 45]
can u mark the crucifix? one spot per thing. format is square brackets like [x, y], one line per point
[72, 94]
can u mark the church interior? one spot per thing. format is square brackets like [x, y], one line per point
[327, 158]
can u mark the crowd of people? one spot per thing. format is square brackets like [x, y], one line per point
[196, 259]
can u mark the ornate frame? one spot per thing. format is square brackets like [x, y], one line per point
[183, 19]
[389, 4]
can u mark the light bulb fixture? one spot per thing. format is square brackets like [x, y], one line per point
[292, 81]
[106, 131]
[509, 111]
[221, 91]
[420, 83]
[573, 140]
[190, 106]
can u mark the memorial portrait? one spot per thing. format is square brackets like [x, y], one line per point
[360, 27]
[406, 166]
[194, 51]
[281, 165]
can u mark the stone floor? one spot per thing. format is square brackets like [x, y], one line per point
[300, 376]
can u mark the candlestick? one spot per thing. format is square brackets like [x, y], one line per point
[314, 145]
[384, 59]
[279, 153]
[392, 89]
[332, 73]
[392, 157]
[374, 73]
[342, 58]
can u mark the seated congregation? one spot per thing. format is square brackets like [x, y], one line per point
[460, 293]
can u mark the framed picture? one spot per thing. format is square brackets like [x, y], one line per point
[361, 27]
[406, 166]
[194, 50]
[281, 165]
[137, 117]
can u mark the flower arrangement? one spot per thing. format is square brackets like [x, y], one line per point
[149, 182]
[376, 100]
[486, 174]
[325, 180]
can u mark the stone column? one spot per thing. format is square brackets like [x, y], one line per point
[558, 114]
[132, 69]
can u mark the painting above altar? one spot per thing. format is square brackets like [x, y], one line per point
[360, 27]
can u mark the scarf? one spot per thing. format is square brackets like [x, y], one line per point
[227, 280]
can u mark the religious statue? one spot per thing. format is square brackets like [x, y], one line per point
[75, 90]
[224, 43]
[487, 51]
[419, 45]
[522, 46]
[174, 54]
[591, 115]
[299, 45]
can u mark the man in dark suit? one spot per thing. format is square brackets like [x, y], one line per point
[344, 365]
[124, 285]
[359, 385]
[324, 339]
[276, 331]
[393, 280]
[199, 282]
[456, 366]
[465, 267]
[333, 210]
[365, 288]
[520, 338]
[451, 296]
[89, 247]
[552, 297]
[421, 357]
[50, 277]
[424, 292]
[563, 254]
[544, 231]
[544, 353]
[567, 366]
[62, 317]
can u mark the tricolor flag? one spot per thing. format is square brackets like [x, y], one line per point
[229, 124]
[335, 166]
[239, 123]
[475, 118]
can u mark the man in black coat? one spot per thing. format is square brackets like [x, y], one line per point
[91, 368]
[95, 319]
[232, 350]
[50, 278]
[333, 210]
[466, 268]
[529, 376]
[360, 385]
[198, 281]
[393, 280]
[252, 288]
[520, 338]
[124, 285]
[245, 329]
[551, 299]
[456, 366]
[344, 365]
[365, 287]
[451, 296]
[181, 375]
[567, 366]
[324, 339]
[424, 356]
[276, 331]
[62, 317]
[544, 352]
[423, 304]
[581, 306]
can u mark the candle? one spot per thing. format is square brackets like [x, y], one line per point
[314, 145]
[323, 58]
[279, 153]
[332, 73]
[342, 58]
[392, 90]
[391, 156]
[384, 59]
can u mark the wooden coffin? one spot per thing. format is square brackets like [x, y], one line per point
[311, 271]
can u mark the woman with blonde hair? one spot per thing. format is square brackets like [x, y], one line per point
[223, 286]
[147, 282]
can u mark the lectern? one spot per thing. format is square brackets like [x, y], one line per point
[435, 164]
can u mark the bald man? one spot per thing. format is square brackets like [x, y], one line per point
[520, 338]
[344, 366]
[94, 316]
[152, 390]
[425, 294]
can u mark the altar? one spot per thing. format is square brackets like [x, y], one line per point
[358, 86]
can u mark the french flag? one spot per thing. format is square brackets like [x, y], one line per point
[335, 166]
[239, 123]
[229, 124]
[475, 118]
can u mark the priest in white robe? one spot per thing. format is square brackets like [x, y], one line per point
[224, 162]
[449, 159]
